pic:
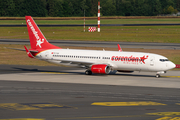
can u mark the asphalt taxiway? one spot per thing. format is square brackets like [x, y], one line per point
[98, 44]
[77, 75]
[52, 93]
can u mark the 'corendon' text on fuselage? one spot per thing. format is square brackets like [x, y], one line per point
[129, 59]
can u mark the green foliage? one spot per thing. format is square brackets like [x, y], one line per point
[177, 4]
[7, 8]
[69, 8]
[170, 10]
[106, 4]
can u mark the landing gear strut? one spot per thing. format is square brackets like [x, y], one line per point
[88, 72]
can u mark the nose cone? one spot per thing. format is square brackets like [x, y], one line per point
[171, 65]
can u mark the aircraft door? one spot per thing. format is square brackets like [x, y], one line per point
[151, 61]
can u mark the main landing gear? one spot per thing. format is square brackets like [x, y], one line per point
[88, 72]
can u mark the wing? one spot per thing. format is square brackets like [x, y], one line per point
[74, 63]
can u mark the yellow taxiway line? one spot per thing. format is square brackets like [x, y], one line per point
[164, 116]
[141, 103]
[171, 76]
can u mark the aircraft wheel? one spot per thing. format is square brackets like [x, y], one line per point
[157, 75]
[88, 72]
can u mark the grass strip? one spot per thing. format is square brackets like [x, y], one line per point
[160, 34]
[94, 21]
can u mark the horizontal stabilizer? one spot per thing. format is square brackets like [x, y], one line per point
[15, 49]
[34, 51]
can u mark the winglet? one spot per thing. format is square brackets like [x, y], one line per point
[28, 52]
[119, 48]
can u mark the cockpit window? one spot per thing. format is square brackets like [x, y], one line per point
[163, 60]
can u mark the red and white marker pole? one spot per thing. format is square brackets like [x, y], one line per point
[98, 16]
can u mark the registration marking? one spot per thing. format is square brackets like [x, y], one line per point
[141, 103]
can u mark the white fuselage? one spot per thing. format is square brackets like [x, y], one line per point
[96, 62]
[131, 61]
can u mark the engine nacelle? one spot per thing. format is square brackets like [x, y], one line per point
[100, 69]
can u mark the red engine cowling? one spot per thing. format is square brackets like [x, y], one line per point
[100, 69]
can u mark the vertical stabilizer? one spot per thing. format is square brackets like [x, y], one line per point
[36, 37]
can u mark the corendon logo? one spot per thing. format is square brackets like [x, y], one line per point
[129, 59]
[38, 39]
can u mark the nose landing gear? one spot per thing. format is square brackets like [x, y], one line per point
[158, 73]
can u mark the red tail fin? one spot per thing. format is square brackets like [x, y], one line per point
[36, 37]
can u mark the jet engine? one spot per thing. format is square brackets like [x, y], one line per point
[100, 69]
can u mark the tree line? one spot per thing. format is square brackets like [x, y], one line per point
[73, 8]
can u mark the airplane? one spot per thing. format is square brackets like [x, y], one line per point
[94, 61]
